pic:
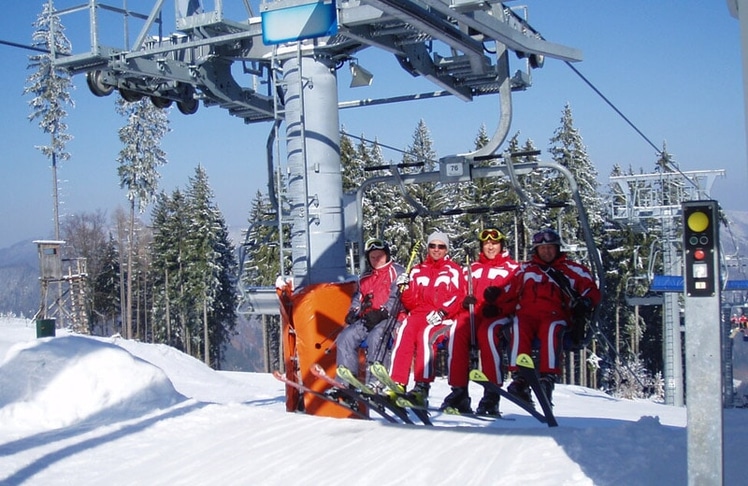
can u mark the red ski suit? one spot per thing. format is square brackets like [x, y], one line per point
[485, 272]
[434, 286]
[542, 309]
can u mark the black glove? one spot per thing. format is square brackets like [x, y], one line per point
[468, 301]
[491, 293]
[374, 317]
[490, 310]
[351, 317]
[582, 306]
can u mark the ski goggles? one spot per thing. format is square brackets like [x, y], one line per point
[375, 244]
[491, 234]
[545, 237]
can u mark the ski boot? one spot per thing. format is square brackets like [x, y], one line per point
[458, 400]
[547, 383]
[338, 396]
[489, 404]
[419, 395]
[520, 389]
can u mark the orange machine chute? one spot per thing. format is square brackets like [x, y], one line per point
[312, 319]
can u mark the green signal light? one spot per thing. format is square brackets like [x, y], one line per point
[698, 221]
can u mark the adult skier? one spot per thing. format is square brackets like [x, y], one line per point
[538, 294]
[432, 299]
[492, 271]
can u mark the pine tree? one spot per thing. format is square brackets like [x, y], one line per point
[211, 266]
[429, 196]
[353, 174]
[671, 190]
[172, 304]
[488, 202]
[50, 85]
[105, 298]
[261, 254]
[530, 198]
[139, 160]
[568, 149]
[386, 207]
[260, 261]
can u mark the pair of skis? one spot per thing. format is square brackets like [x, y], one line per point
[399, 401]
[304, 389]
[364, 394]
[382, 405]
[527, 370]
[397, 408]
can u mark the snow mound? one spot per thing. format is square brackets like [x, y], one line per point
[72, 379]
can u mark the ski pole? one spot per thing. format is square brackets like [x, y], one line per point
[471, 310]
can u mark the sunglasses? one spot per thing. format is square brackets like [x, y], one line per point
[374, 244]
[434, 245]
[544, 237]
[491, 234]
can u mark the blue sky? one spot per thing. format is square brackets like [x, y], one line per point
[672, 67]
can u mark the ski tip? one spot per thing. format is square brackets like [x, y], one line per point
[376, 365]
[525, 361]
[478, 375]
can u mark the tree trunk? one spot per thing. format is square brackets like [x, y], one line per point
[122, 294]
[206, 339]
[168, 307]
[128, 307]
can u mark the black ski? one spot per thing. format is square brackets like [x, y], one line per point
[302, 388]
[477, 416]
[479, 377]
[381, 373]
[370, 401]
[528, 371]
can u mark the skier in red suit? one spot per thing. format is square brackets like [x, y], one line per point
[433, 300]
[492, 271]
[543, 310]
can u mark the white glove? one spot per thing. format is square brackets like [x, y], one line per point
[435, 317]
[402, 279]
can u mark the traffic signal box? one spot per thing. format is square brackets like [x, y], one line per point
[700, 244]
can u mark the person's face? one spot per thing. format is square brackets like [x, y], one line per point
[437, 249]
[547, 253]
[377, 258]
[491, 248]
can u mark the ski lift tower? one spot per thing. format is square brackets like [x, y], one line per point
[281, 67]
[652, 203]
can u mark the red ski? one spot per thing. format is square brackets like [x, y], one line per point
[280, 377]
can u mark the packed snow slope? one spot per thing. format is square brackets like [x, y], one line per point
[94, 411]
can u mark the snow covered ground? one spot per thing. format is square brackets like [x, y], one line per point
[81, 410]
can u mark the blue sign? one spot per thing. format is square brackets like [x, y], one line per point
[289, 21]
